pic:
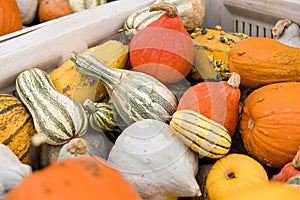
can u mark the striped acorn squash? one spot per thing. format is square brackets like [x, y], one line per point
[101, 116]
[55, 115]
[16, 126]
[206, 137]
[134, 95]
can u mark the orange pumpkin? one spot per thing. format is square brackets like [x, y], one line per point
[10, 17]
[232, 173]
[164, 48]
[52, 9]
[270, 123]
[266, 191]
[262, 61]
[83, 177]
[218, 101]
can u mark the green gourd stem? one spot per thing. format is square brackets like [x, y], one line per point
[169, 8]
[96, 69]
[296, 160]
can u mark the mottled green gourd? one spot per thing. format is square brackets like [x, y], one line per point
[134, 95]
[54, 114]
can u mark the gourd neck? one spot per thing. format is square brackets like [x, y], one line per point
[90, 66]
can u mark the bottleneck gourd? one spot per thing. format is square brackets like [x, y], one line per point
[134, 95]
[55, 115]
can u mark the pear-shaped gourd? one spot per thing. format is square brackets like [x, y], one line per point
[159, 165]
[134, 95]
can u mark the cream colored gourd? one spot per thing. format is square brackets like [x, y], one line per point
[159, 165]
[287, 32]
[79, 5]
[28, 10]
[12, 171]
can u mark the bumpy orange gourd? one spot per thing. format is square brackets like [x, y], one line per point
[16, 126]
[10, 17]
[218, 101]
[270, 123]
[233, 173]
[164, 48]
[261, 61]
[52, 9]
[266, 191]
[83, 177]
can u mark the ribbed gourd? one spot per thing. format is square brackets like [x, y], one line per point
[16, 126]
[101, 116]
[134, 95]
[206, 137]
[55, 115]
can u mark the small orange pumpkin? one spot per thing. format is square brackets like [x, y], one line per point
[10, 17]
[163, 49]
[233, 172]
[270, 123]
[266, 191]
[52, 9]
[83, 177]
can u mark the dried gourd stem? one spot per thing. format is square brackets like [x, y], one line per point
[296, 160]
[38, 152]
[234, 80]
[89, 106]
[169, 8]
[279, 27]
[77, 146]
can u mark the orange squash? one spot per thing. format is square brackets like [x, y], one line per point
[52, 9]
[270, 123]
[262, 61]
[266, 191]
[232, 173]
[218, 101]
[83, 177]
[163, 49]
[10, 17]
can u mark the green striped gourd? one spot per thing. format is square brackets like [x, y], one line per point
[54, 114]
[16, 126]
[191, 12]
[79, 5]
[206, 137]
[134, 95]
[101, 116]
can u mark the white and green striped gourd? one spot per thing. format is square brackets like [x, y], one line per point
[134, 95]
[54, 114]
[79, 5]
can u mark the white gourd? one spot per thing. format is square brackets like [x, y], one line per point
[12, 171]
[287, 32]
[79, 5]
[28, 9]
[159, 165]
[74, 148]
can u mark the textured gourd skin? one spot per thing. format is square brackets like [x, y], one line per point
[11, 19]
[261, 61]
[270, 122]
[53, 9]
[233, 173]
[76, 178]
[55, 115]
[16, 126]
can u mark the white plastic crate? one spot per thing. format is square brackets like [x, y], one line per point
[49, 44]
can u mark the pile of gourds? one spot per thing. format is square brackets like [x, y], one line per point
[179, 112]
